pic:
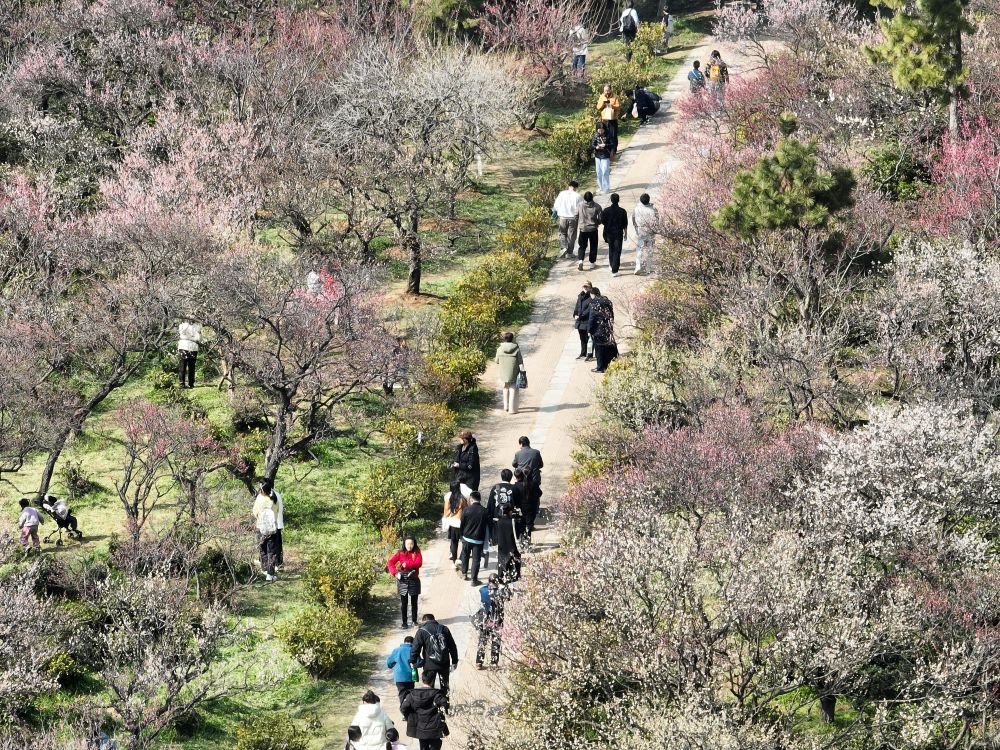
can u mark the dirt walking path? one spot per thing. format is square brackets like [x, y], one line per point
[557, 403]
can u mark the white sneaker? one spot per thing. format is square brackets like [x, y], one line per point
[592, 266]
[580, 266]
[271, 577]
[614, 274]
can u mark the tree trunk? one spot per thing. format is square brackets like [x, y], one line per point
[828, 708]
[279, 436]
[50, 463]
[953, 88]
[412, 244]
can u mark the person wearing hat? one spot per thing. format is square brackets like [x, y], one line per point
[581, 321]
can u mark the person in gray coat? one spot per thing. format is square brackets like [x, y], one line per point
[529, 461]
[588, 219]
[510, 364]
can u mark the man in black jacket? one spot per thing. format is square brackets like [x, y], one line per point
[434, 644]
[602, 328]
[529, 460]
[475, 526]
[581, 318]
[615, 221]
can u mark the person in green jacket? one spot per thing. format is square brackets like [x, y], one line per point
[510, 364]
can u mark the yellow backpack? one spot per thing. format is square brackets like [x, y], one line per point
[715, 72]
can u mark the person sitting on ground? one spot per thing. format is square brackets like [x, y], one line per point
[373, 722]
[28, 522]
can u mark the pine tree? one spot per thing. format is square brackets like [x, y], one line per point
[923, 49]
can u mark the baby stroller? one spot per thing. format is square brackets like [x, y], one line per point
[58, 510]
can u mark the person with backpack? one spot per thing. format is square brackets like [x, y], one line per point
[581, 317]
[489, 620]
[696, 79]
[609, 108]
[373, 722]
[601, 148]
[28, 522]
[455, 500]
[475, 530]
[435, 645]
[645, 220]
[266, 486]
[510, 364]
[580, 39]
[718, 76]
[602, 328]
[529, 461]
[423, 711]
[589, 219]
[404, 566]
[267, 529]
[402, 673]
[565, 208]
[467, 458]
[615, 221]
[629, 23]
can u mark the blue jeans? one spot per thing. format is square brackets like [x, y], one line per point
[603, 175]
[579, 62]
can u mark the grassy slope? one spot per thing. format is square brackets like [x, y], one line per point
[317, 494]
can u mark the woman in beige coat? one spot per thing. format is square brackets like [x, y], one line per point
[510, 364]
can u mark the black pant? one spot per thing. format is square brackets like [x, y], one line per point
[530, 514]
[430, 744]
[509, 567]
[454, 536]
[403, 688]
[279, 549]
[586, 237]
[615, 251]
[604, 354]
[265, 545]
[584, 339]
[442, 675]
[491, 637]
[475, 551]
[185, 365]
[611, 133]
[413, 606]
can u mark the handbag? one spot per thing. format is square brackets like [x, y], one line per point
[635, 110]
[522, 380]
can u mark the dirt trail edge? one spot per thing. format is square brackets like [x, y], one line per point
[557, 402]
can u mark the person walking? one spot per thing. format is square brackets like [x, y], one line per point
[581, 40]
[267, 529]
[508, 546]
[629, 25]
[28, 522]
[668, 31]
[492, 597]
[504, 494]
[188, 340]
[645, 220]
[581, 319]
[615, 221]
[602, 328]
[435, 645]
[402, 673]
[423, 711]
[266, 487]
[510, 363]
[590, 219]
[566, 208]
[373, 722]
[455, 500]
[609, 107]
[404, 566]
[474, 530]
[467, 458]
[529, 461]
[718, 76]
[696, 79]
[601, 148]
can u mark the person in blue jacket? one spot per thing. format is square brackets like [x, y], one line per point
[399, 663]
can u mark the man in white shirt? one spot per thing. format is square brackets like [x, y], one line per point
[188, 338]
[566, 208]
[645, 220]
[629, 23]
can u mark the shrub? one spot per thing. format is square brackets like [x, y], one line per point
[639, 390]
[274, 731]
[320, 638]
[528, 235]
[164, 381]
[623, 76]
[464, 364]
[343, 578]
[76, 479]
[499, 281]
[543, 191]
[569, 142]
[468, 323]
[647, 40]
[421, 431]
[392, 492]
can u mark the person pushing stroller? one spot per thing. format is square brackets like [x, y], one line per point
[58, 509]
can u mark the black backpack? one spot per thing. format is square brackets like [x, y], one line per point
[437, 647]
[628, 24]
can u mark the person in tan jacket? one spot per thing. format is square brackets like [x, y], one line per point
[609, 107]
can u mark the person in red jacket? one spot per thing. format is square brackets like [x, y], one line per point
[405, 566]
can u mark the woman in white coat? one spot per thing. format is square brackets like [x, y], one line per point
[373, 722]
